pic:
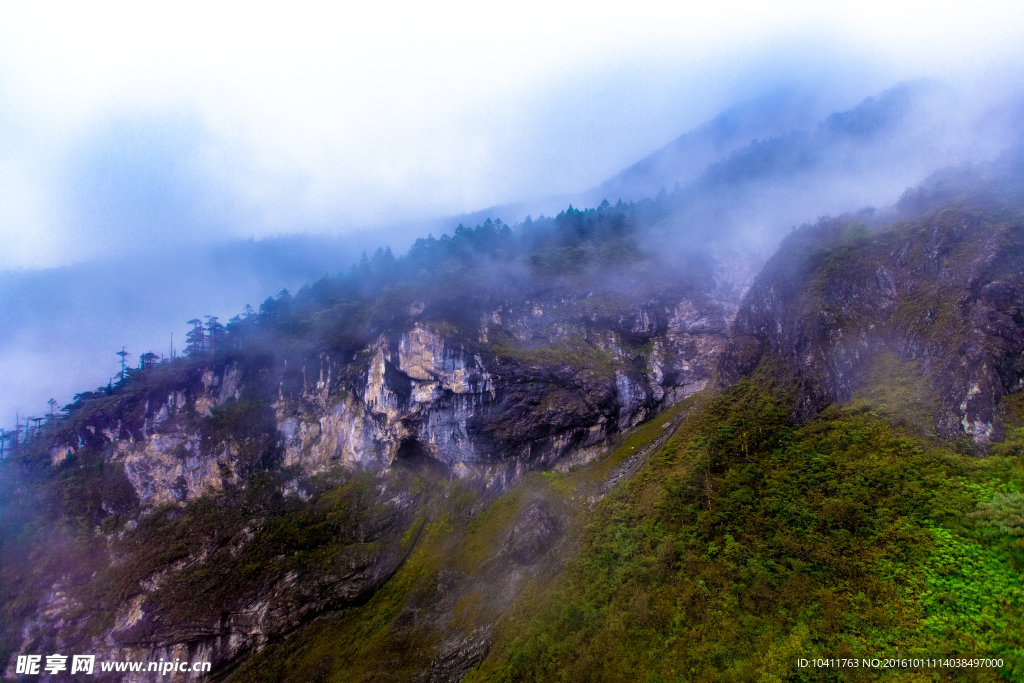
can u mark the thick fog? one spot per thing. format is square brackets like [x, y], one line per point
[158, 168]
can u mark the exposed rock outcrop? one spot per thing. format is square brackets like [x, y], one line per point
[946, 289]
[544, 381]
[485, 411]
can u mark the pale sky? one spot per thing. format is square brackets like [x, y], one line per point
[127, 124]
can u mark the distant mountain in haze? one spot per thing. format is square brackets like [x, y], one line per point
[62, 326]
[862, 157]
[683, 159]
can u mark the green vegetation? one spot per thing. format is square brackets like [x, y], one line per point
[343, 648]
[1012, 413]
[243, 547]
[897, 392]
[353, 645]
[380, 640]
[633, 441]
[843, 256]
[747, 542]
[484, 531]
[572, 350]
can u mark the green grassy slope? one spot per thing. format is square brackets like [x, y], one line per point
[746, 543]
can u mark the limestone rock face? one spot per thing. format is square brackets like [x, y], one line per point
[158, 446]
[491, 413]
[166, 468]
[576, 372]
[946, 289]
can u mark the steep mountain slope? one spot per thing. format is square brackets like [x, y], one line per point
[945, 288]
[380, 477]
[291, 462]
[818, 507]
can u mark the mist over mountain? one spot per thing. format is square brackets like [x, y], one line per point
[744, 177]
[447, 464]
[508, 342]
[64, 325]
[686, 157]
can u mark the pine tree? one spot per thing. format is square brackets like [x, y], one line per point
[196, 338]
[214, 333]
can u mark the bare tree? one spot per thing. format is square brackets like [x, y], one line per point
[35, 430]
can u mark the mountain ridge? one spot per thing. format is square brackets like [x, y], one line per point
[145, 286]
[370, 476]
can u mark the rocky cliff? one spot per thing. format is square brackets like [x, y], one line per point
[539, 383]
[420, 438]
[282, 488]
[945, 288]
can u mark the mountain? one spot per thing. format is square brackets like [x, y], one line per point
[559, 451]
[360, 413]
[827, 502]
[683, 159]
[747, 175]
[565, 448]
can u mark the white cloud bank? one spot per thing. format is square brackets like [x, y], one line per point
[127, 124]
